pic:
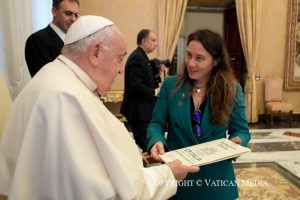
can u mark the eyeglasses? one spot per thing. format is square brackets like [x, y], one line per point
[197, 118]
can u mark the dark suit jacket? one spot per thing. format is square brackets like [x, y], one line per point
[172, 114]
[41, 48]
[139, 92]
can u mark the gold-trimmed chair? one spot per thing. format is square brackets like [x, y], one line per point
[274, 103]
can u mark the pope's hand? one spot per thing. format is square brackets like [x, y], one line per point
[180, 171]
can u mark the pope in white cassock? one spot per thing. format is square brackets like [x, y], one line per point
[60, 142]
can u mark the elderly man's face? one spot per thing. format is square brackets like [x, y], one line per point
[111, 63]
[150, 43]
[65, 15]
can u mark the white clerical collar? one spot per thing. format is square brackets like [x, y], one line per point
[59, 32]
[83, 77]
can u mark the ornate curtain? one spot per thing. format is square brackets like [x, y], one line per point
[249, 20]
[18, 20]
[170, 19]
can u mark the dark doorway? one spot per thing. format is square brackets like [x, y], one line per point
[234, 45]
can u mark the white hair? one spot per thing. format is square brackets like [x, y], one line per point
[103, 36]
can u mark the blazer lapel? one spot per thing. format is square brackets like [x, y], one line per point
[184, 117]
[183, 112]
[208, 128]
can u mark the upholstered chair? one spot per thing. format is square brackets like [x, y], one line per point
[274, 103]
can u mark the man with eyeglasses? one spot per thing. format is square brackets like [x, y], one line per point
[45, 45]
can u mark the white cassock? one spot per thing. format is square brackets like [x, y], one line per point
[60, 142]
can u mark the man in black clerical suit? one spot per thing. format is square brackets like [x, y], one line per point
[140, 87]
[45, 45]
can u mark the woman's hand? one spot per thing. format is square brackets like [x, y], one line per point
[156, 150]
[236, 140]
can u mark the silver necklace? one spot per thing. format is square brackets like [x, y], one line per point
[198, 88]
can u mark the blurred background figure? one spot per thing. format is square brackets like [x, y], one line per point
[45, 45]
[140, 87]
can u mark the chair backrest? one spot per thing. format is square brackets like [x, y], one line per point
[5, 102]
[273, 88]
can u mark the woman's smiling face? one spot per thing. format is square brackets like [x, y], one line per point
[198, 61]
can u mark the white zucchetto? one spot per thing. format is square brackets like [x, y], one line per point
[85, 26]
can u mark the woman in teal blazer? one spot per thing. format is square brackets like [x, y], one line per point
[201, 104]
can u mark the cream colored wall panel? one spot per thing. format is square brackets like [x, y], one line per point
[196, 20]
[130, 16]
[272, 50]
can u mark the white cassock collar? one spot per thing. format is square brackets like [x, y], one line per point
[82, 76]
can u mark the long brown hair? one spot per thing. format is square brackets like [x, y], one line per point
[222, 84]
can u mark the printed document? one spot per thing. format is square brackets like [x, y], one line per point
[206, 153]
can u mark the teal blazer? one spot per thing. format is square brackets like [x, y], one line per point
[172, 115]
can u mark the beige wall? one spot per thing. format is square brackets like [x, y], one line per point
[272, 49]
[129, 15]
[132, 15]
[197, 20]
